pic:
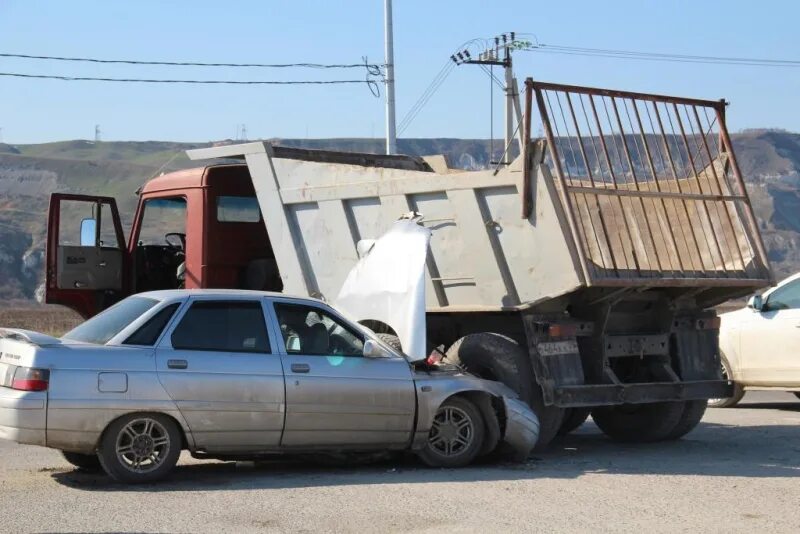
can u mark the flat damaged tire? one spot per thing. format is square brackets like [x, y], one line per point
[457, 434]
[497, 357]
[639, 423]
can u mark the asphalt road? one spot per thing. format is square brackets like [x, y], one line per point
[739, 471]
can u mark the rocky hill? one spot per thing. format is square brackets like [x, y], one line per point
[769, 159]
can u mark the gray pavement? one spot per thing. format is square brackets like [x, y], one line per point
[739, 471]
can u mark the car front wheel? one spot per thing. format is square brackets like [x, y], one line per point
[139, 448]
[456, 435]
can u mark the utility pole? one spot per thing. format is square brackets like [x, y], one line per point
[96, 133]
[391, 134]
[500, 54]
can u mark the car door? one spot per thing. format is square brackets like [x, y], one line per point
[770, 340]
[86, 258]
[220, 367]
[334, 395]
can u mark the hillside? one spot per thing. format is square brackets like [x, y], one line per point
[769, 159]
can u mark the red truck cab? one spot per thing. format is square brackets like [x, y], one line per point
[196, 228]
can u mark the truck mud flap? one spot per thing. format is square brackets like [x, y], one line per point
[610, 394]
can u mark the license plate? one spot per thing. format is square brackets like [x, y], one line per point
[553, 348]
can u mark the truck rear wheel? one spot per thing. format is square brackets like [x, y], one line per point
[391, 340]
[639, 423]
[497, 357]
[693, 412]
[573, 418]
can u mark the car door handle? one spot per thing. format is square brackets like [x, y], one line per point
[177, 364]
[300, 368]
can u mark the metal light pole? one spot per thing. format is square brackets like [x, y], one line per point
[391, 135]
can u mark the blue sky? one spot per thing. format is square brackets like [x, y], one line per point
[426, 33]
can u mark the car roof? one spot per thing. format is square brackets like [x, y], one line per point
[166, 294]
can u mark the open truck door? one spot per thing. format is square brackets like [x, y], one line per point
[86, 257]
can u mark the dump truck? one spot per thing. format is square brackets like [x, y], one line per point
[583, 274]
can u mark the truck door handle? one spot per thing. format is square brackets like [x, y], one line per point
[300, 368]
[102, 264]
[177, 364]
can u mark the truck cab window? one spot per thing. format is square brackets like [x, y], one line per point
[161, 245]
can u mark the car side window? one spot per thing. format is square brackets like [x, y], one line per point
[311, 331]
[785, 298]
[148, 333]
[223, 326]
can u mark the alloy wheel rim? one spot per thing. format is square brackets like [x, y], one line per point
[452, 432]
[724, 377]
[142, 445]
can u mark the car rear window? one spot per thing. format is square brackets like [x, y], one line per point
[102, 327]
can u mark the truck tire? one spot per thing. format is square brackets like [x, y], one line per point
[639, 423]
[84, 462]
[692, 414]
[573, 418]
[497, 357]
[457, 434]
[738, 391]
[391, 340]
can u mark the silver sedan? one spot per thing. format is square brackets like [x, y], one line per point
[234, 375]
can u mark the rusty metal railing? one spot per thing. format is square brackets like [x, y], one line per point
[650, 186]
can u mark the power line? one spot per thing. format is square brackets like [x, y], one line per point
[657, 56]
[200, 64]
[151, 80]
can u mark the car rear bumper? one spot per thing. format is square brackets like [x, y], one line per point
[23, 416]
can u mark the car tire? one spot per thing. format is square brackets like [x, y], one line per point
[693, 412]
[84, 462]
[738, 390]
[457, 434]
[497, 357]
[573, 418]
[391, 340]
[639, 423]
[142, 438]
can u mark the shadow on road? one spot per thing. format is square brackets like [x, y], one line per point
[769, 451]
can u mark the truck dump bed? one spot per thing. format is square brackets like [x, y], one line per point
[629, 191]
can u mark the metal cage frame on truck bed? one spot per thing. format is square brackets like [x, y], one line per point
[650, 187]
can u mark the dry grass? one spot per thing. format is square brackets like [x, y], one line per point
[52, 320]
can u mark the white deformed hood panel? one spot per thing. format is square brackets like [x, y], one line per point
[388, 284]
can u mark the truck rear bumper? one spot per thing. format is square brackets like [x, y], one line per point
[23, 416]
[640, 393]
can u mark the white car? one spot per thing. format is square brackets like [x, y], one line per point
[760, 343]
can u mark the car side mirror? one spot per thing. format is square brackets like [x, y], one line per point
[756, 302]
[88, 232]
[373, 350]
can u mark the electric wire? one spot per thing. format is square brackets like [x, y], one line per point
[198, 63]
[178, 81]
[656, 56]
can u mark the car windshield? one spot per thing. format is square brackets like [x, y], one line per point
[100, 328]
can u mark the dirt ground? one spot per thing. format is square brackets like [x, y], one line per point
[739, 471]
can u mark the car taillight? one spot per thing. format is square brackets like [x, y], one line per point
[30, 379]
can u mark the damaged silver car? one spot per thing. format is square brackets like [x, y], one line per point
[238, 374]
